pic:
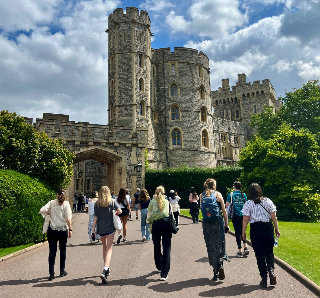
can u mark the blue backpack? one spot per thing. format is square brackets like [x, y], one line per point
[210, 208]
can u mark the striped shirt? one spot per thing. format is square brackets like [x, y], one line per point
[257, 212]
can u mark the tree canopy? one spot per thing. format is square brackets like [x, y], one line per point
[26, 151]
[284, 156]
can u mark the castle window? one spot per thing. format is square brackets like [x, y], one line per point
[252, 94]
[248, 95]
[88, 184]
[231, 100]
[142, 108]
[112, 86]
[141, 61]
[173, 69]
[262, 92]
[235, 100]
[175, 113]
[176, 137]
[236, 140]
[112, 63]
[212, 109]
[205, 139]
[243, 96]
[255, 109]
[200, 73]
[223, 138]
[124, 36]
[224, 101]
[111, 111]
[174, 90]
[141, 85]
[202, 92]
[155, 117]
[77, 184]
[217, 103]
[141, 38]
[257, 93]
[203, 114]
[237, 114]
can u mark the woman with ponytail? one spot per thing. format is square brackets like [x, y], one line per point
[60, 220]
[238, 199]
[158, 218]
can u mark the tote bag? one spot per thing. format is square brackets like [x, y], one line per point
[116, 220]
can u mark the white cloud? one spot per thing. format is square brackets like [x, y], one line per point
[208, 18]
[309, 71]
[62, 72]
[282, 65]
[155, 5]
[26, 14]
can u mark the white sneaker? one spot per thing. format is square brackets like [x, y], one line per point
[144, 239]
[163, 278]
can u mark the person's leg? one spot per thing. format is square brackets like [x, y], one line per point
[124, 223]
[166, 245]
[156, 238]
[259, 250]
[52, 240]
[143, 221]
[176, 217]
[63, 238]
[237, 223]
[193, 218]
[107, 249]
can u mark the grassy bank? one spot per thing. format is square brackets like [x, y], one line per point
[298, 246]
[10, 250]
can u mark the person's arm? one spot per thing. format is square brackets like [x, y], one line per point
[275, 223]
[119, 211]
[70, 227]
[139, 206]
[228, 202]
[225, 216]
[244, 226]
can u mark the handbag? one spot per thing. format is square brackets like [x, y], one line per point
[231, 209]
[172, 222]
[116, 220]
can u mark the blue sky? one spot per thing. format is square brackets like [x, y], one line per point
[53, 53]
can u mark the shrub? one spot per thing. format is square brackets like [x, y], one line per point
[21, 198]
[183, 178]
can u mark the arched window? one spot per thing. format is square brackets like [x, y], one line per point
[235, 100]
[176, 137]
[252, 94]
[212, 109]
[200, 71]
[237, 114]
[112, 63]
[112, 86]
[141, 85]
[262, 92]
[248, 95]
[224, 101]
[205, 139]
[257, 93]
[174, 90]
[217, 102]
[173, 69]
[142, 108]
[255, 109]
[175, 113]
[202, 92]
[203, 114]
[111, 111]
[243, 96]
[141, 61]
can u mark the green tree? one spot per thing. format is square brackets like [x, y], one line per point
[287, 166]
[24, 150]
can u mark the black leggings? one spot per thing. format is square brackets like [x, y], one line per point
[262, 238]
[237, 224]
[53, 237]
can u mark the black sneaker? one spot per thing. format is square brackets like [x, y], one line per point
[104, 276]
[221, 273]
[63, 273]
[119, 239]
[51, 277]
[264, 281]
[215, 276]
[108, 272]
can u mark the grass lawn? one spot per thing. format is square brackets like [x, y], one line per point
[10, 250]
[298, 246]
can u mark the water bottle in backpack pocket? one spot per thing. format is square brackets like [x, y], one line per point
[210, 208]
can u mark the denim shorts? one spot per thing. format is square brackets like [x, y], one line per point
[107, 234]
[136, 207]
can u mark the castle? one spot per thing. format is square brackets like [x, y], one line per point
[160, 101]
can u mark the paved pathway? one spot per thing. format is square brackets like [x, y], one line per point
[133, 272]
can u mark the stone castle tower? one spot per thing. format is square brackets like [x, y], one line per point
[160, 102]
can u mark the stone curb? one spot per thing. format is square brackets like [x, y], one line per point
[22, 251]
[295, 273]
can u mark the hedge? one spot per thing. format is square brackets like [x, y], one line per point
[21, 198]
[182, 179]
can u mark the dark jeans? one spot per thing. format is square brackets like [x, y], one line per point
[53, 237]
[195, 218]
[176, 217]
[237, 224]
[262, 238]
[161, 228]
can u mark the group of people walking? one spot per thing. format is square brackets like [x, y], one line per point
[258, 211]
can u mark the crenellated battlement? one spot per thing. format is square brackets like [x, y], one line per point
[244, 89]
[180, 54]
[132, 14]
